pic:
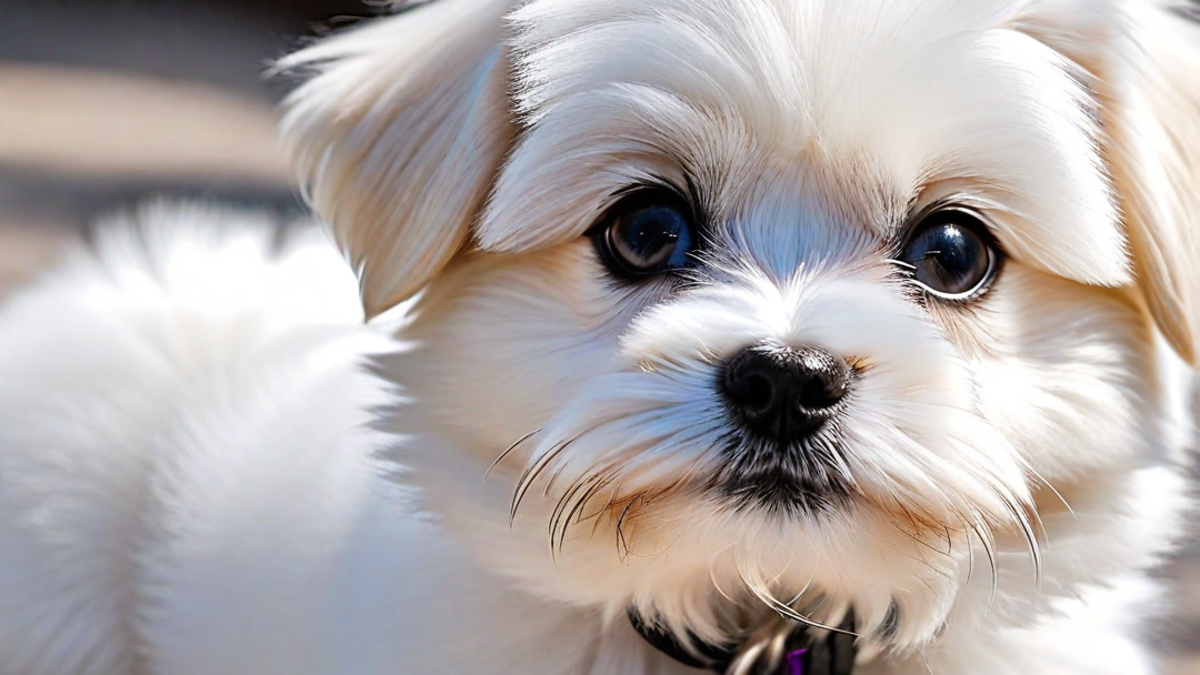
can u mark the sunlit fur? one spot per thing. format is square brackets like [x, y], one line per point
[807, 135]
[544, 446]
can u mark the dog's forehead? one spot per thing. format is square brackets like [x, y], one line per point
[868, 107]
[790, 70]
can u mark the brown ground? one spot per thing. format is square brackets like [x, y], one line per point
[102, 108]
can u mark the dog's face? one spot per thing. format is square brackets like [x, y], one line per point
[788, 303]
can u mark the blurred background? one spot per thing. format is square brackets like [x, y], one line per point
[107, 103]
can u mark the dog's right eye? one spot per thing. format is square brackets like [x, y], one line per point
[647, 232]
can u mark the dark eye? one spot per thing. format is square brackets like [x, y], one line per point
[647, 232]
[951, 255]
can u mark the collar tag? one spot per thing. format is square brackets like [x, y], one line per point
[795, 662]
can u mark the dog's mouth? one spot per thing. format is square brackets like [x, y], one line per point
[798, 478]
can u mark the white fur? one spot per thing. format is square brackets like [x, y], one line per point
[208, 464]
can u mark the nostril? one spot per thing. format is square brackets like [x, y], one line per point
[749, 381]
[817, 395]
[826, 383]
[756, 392]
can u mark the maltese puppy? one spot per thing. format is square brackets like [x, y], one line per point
[740, 336]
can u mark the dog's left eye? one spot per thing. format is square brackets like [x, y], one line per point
[951, 255]
[647, 232]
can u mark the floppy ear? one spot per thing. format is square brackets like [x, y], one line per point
[1156, 169]
[1142, 61]
[398, 134]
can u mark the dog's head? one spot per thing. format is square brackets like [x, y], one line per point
[784, 300]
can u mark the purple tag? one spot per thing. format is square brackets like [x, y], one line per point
[796, 662]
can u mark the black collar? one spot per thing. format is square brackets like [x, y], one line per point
[711, 657]
[833, 654]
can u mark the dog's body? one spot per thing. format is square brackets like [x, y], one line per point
[783, 313]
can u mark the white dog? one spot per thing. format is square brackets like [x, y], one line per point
[790, 335]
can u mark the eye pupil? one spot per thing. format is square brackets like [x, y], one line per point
[646, 233]
[648, 237]
[951, 256]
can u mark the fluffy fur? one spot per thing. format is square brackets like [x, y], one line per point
[200, 474]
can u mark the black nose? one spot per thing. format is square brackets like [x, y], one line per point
[785, 393]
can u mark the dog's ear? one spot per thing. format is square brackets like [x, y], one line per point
[1155, 152]
[397, 135]
[1141, 59]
